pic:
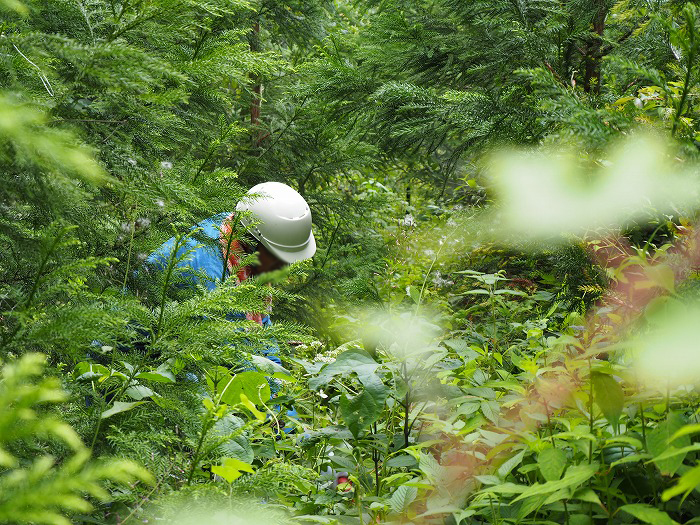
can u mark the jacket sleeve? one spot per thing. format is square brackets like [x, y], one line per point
[205, 258]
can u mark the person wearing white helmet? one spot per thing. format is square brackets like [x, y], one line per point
[274, 214]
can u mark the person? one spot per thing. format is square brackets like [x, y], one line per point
[278, 220]
[279, 223]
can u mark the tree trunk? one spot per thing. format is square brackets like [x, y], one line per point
[593, 49]
[256, 101]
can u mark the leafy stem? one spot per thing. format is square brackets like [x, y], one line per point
[125, 384]
[131, 245]
[173, 260]
[208, 423]
[55, 243]
[692, 52]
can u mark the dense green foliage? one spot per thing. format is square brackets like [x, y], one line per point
[485, 335]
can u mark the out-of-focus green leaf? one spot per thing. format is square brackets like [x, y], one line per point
[648, 514]
[687, 482]
[575, 476]
[552, 463]
[659, 442]
[119, 407]
[402, 498]
[14, 5]
[609, 397]
[25, 128]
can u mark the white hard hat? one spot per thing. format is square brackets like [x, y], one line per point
[283, 221]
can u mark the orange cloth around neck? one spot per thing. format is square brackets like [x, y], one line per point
[232, 250]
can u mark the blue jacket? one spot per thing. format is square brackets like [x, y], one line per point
[205, 259]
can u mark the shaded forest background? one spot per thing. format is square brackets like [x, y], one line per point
[497, 326]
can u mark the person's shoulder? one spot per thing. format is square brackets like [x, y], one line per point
[211, 226]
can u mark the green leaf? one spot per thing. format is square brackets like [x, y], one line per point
[575, 476]
[460, 516]
[625, 440]
[458, 345]
[580, 519]
[120, 406]
[505, 291]
[251, 406]
[431, 468]
[490, 409]
[589, 495]
[159, 375]
[139, 392]
[413, 293]
[263, 364]
[15, 5]
[468, 408]
[559, 495]
[239, 447]
[510, 464]
[552, 463]
[477, 291]
[686, 430]
[235, 444]
[622, 101]
[208, 404]
[530, 505]
[252, 384]
[488, 479]
[662, 275]
[333, 432]
[362, 410]
[672, 452]
[687, 482]
[609, 397]
[505, 488]
[402, 498]
[648, 514]
[403, 460]
[351, 361]
[659, 439]
[87, 371]
[632, 458]
[218, 378]
[231, 469]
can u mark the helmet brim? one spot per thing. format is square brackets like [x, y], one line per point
[289, 257]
